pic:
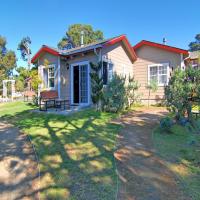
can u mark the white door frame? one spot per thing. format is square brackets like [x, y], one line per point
[72, 81]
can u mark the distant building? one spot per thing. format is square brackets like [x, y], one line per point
[194, 59]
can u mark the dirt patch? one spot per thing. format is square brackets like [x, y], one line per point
[142, 174]
[18, 166]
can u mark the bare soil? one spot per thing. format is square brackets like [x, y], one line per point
[142, 174]
[18, 166]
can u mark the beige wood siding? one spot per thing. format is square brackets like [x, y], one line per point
[64, 81]
[118, 55]
[147, 55]
[52, 60]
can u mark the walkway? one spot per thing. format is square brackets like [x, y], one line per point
[18, 167]
[142, 174]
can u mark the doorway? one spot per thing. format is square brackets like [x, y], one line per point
[76, 84]
[80, 84]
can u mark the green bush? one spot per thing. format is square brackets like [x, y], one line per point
[131, 91]
[166, 124]
[114, 95]
[182, 88]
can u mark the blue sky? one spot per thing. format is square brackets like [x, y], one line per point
[46, 21]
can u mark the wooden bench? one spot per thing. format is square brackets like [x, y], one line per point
[50, 99]
[46, 98]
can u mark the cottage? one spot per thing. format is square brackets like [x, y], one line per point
[68, 70]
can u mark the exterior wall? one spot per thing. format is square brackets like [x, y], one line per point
[115, 53]
[119, 57]
[64, 81]
[52, 60]
[150, 55]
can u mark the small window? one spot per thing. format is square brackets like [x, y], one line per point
[110, 71]
[51, 76]
[107, 72]
[159, 73]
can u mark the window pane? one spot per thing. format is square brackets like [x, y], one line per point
[163, 79]
[110, 71]
[51, 82]
[83, 83]
[105, 73]
[153, 71]
[163, 69]
[51, 72]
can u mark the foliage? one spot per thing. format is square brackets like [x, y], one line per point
[152, 87]
[24, 48]
[182, 88]
[96, 84]
[76, 152]
[195, 46]
[7, 60]
[73, 35]
[35, 79]
[166, 124]
[131, 91]
[23, 74]
[114, 96]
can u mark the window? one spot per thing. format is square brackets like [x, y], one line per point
[159, 73]
[107, 72]
[51, 76]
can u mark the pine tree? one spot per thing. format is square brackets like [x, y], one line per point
[96, 84]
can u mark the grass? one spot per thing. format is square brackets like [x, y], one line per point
[75, 152]
[181, 151]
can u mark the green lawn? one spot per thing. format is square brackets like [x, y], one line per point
[75, 152]
[181, 150]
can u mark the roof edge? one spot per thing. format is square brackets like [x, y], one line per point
[124, 39]
[44, 48]
[161, 46]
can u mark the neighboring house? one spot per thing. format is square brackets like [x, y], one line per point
[194, 59]
[68, 71]
[156, 62]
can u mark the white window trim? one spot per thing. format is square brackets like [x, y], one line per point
[51, 66]
[159, 64]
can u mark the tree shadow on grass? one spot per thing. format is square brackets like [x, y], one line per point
[75, 153]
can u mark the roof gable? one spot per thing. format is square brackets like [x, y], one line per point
[161, 46]
[100, 44]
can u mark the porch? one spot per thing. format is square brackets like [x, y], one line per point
[69, 110]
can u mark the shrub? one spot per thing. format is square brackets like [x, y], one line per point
[183, 86]
[152, 87]
[96, 85]
[131, 91]
[166, 124]
[114, 95]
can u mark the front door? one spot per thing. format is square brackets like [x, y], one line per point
[80, 84]
[76, 84]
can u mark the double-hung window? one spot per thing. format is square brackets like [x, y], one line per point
[159, 73]
[107, 72]
[51, 76]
